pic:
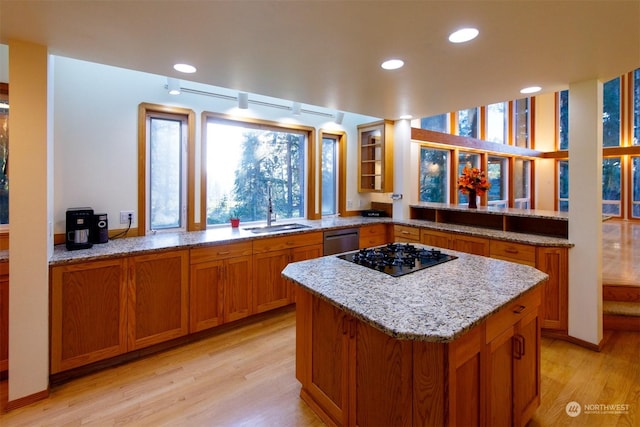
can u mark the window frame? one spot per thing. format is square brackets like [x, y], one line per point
[341, 174]
[311, 209]
[144, 110]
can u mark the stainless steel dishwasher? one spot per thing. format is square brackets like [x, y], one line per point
[342, 240]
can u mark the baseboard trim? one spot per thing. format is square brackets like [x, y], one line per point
[573, 340]
[611, 322]
[26, 400]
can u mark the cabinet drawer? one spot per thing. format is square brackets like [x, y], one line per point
[218, 252]
[408, 233]
[286, 242]
[517, 252]
[373, 235]
[512, 313]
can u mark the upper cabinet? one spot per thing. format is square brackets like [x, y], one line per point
[375, 157]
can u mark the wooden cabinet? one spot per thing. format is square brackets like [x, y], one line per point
[349, 363]
[457, 242]
[270, 256]
[375, 157]
[353, 374]
[555, 299]
[513, 366]
[220, 285]
[88, 313]
[4, 316]
[373, 235]
[403, 233]
[158, 298]
[514, 252]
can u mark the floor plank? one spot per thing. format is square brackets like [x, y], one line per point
[621, 253]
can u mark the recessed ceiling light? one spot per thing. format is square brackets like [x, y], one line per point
[185, 68]
[463, 35]
[392, 64]
[406, 117]
[531, 89]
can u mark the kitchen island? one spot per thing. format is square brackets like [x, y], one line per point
[455, 344]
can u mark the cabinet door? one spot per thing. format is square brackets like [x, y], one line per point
[238, 288]
[553, 261]
[466, 395]
[4, 316]
[206, 295]
[382, 363]
[329, 361]
[438, 239]
[158, 298]
[526, 369]
[270, 290]
[500, 379]
[88, 313]
[402, 233]
[470, 245]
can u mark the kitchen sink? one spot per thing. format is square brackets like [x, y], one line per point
[273, 228]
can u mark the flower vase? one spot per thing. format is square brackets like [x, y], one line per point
[235, 222]
[472, 199]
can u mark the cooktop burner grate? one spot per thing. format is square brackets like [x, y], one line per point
[397, 259]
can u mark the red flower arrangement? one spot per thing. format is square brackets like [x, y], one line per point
[473, 179]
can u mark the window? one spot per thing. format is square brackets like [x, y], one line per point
[635, 185]
[521, 122]
[434, 175]
[522, 183]
[471, 160]
[611, 113]
[611, 184]
[497, 122]
[563, 185]
[468, 122]
[636, 107]
[243, 159]
[329, 175]
[167, 172]
[563, 120]
[439, 123]
[497, 176]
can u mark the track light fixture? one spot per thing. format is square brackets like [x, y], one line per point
[173, 85]
[243, 100]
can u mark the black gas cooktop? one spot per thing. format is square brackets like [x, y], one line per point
[397, 259]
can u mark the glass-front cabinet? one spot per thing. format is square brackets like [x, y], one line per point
[375, 157]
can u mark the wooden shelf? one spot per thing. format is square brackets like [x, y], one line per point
[375, 157]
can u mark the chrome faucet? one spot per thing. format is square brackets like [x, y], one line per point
[270, 216]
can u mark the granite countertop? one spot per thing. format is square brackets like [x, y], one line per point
[531, 213]
[192, 239]
[437, 304]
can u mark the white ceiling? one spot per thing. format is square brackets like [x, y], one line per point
[327, 53]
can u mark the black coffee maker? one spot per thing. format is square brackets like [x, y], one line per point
[79, 221]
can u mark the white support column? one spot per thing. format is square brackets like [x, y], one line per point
[401, 167]
[30, 239]
[585, 211]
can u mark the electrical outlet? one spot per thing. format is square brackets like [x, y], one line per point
[124, 217]
[349, 204]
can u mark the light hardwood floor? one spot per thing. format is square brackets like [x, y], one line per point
[246, 377]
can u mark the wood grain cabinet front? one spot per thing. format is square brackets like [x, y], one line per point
[158, 298]
[4, 316]
[404, 233]
[373, 235]
[220, 285]
[88, 313]
[270, 256]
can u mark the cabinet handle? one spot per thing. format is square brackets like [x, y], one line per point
[520, 309]
[517, 347]
[523, 346]
[511, 251]
[404, 232]
[224, 252]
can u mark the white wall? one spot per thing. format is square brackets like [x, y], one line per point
[545, 141]
[95, 133]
